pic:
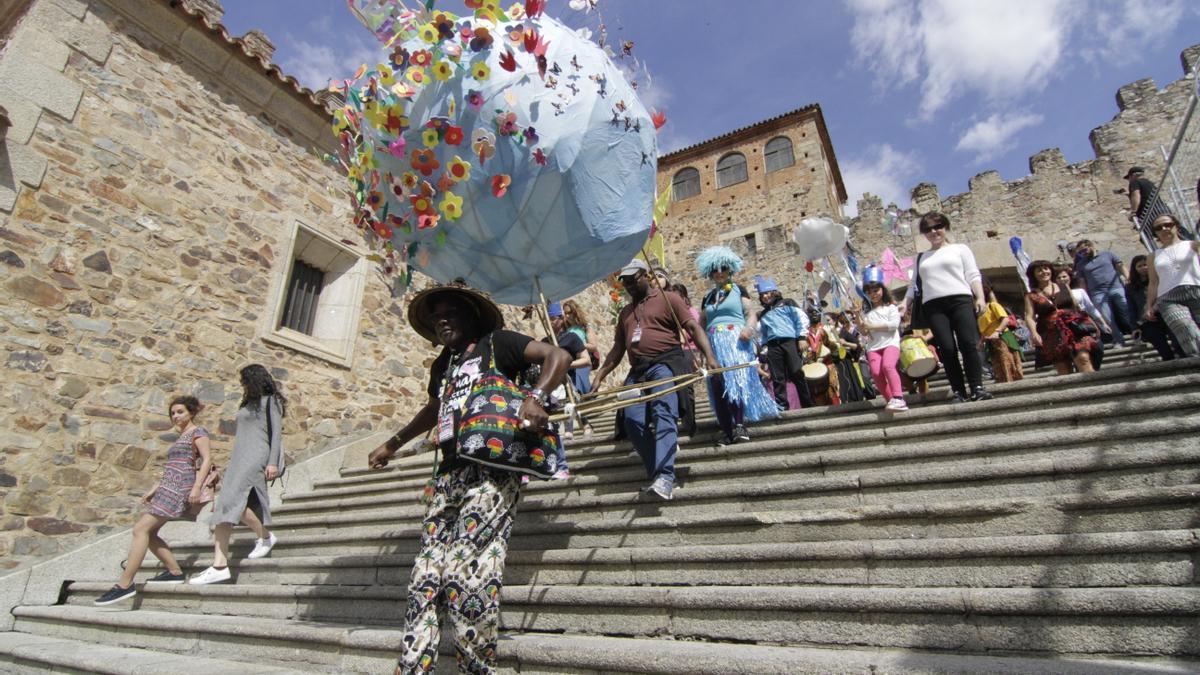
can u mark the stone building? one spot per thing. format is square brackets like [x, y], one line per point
[748, 188]
[1057, 202]
[166, 218]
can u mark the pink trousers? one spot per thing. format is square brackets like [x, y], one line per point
[883, 370]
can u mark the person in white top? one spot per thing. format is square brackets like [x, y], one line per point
[951, 298]
[1175, 284]
[881, 338]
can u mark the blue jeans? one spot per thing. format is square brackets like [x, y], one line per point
[657, 448]
[1115, 310]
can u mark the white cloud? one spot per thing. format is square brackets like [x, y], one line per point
[316, 64]
[1126, 24]
[883, 171]
[992, 136]
[998, 49]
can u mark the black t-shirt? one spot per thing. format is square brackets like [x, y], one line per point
[1146, 188]
[509, 350]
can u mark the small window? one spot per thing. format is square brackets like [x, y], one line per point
[686, 183]
[751, 244]
[731, 170]
[778, 154]
[317, 297]
[303, 296]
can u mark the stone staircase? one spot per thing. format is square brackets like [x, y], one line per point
[1053, 529]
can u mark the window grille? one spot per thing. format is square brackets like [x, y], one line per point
[304, 292]
[686, 183]
[731, 170]
[778, 154]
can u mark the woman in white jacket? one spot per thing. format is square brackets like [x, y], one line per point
[951, 295]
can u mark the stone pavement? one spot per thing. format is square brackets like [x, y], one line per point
[1053, 529]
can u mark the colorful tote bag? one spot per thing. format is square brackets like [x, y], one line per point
[490, 432]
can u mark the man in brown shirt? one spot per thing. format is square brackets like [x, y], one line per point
[648, 328]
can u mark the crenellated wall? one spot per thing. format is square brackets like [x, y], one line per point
[1057, 201]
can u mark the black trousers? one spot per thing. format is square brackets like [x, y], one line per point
[785, 364]
[955, 331]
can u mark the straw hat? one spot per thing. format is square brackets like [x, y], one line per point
[487, 313]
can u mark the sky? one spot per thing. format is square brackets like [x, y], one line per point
[911, 90]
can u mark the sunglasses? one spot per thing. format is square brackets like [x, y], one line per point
[926, 229]
[726, 269]
[629, 279]
[1162, 226]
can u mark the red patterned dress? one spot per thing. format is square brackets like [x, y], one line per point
[179, 475]
[1065, 331]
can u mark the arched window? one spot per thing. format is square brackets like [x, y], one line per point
[778, 154]
[731, 169]
[686, 183]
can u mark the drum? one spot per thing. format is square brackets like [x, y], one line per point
[817, 375]
[916, 358]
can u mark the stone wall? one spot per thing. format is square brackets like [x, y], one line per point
[155, 169]
[754, 217]
[1056, 202]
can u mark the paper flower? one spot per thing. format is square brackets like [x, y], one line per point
[396, 147]
[382, 230]
[459, 170]
[421, 204]
[417, 76]
[500, 183]
[425, 161]
[480, 71]
[429, 33]
[506, 124]
[424, 222]
[531, 137]
[444, 22]
[484, 144]
[454, 135]
[659, 118]
[451, 206]
[409, 180]
[508, 61]
[442, 70]
[474, 99]
[375, 199]
[516, 35]
[430, 138]
[481, 40]
[539, 157]
[421, 58]
[534, 8]
[386, 77]
[445, 183]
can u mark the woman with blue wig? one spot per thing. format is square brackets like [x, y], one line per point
[737, 396]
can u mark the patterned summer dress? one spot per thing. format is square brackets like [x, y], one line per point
[179, 475]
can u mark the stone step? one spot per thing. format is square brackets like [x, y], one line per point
[1145, 378]
[1155, 620]
[1063, 462]
[1143, 508]
[537, 653]
[869, 443]
[27, 653]
[1086, 559]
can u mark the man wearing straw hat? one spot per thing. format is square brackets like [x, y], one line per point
[465, 532]
[648, 328]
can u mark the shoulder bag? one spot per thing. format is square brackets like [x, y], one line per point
[916, 313]
[212, 482]
[490, 432]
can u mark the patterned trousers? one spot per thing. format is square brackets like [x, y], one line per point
[460, 569]
[1180, 309]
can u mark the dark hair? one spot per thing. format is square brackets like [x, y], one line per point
[1171, 217]
[1070, 274]
[682, 291]
[886, 298]
[932, 218]
[257, 383]
[1031, 271]
[190, 402]
[1135, 279]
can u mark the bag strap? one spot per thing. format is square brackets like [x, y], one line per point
[917, 275]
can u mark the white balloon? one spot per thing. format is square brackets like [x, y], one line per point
[819, 237]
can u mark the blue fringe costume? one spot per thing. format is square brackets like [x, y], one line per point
[743, 392]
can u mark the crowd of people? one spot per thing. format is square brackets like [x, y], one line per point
[762, 353]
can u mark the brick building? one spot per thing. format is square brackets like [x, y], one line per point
[748, 188]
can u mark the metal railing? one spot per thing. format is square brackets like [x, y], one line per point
[1178, 186]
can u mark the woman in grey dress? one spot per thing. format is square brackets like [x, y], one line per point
[257, 457]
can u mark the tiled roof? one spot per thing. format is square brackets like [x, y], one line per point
[748, 127]
[316, 99]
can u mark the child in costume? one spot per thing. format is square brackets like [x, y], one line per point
[784, 330]
[881, 330]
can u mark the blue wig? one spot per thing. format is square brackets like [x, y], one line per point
[715, 257]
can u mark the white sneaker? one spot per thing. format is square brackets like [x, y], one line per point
[263, 546]
[663, 487]
[211, 575]
[896, 405]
